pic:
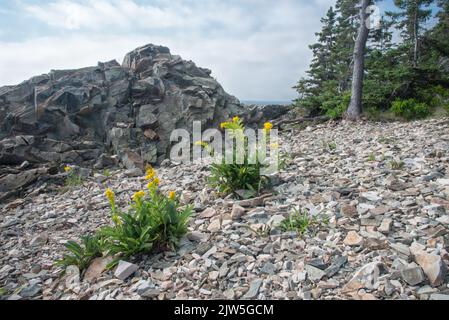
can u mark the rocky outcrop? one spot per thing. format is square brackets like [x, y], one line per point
[256, 116]
[74, 116]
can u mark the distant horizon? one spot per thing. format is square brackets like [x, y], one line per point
[265, 102]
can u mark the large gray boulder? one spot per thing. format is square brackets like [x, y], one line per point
[255, 115]
[74, 116]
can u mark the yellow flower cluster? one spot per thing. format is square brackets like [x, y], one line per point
[110, 195]
[153, 183]
[67, 168]
[234, 124]
[150, 174]
[138, 196]
[268, 126]
[153, 180]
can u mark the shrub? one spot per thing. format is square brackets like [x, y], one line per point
[336, 106]
[155, 221]
[410, 109]
[324, 99]
[434, 96]
[81, 255]
[446, 107]
[232, 177]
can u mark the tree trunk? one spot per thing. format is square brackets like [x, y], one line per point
[415, 37]
[355, 107]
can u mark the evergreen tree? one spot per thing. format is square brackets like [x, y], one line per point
[439, 35]
[325, 89]
[410, 19]
[380, 39]
[322, 68]
[379, 66]
[346, 33]
[415, 68]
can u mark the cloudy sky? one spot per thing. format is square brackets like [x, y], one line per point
[257, 49]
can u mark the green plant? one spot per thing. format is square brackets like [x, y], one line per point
[73, 178]
[372, 113]
[264, 232]
[335, 108]
[2, 292]
[446, 107]
[232, 177]
[154, 222]
[301, 222]
[372, 157]
[410, 109]
[396, 165]
[229, 178]
[82, 255]
[107, 173]
[329, 145]
[385, 140]
[434, 96]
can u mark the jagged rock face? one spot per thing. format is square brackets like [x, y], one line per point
[256, 116]
[73, 116]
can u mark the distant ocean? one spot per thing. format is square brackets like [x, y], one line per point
[265, 102]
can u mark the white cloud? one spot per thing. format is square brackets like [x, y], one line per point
[122, 14]
[257, 49]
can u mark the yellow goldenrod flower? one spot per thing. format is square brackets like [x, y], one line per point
[223, 125]
[154, 183]
[172, 195]
[67, 168]
[110, 195]
[268, 126]
[274, 146]
[138, 195]
[236, 119]
[150, 173]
